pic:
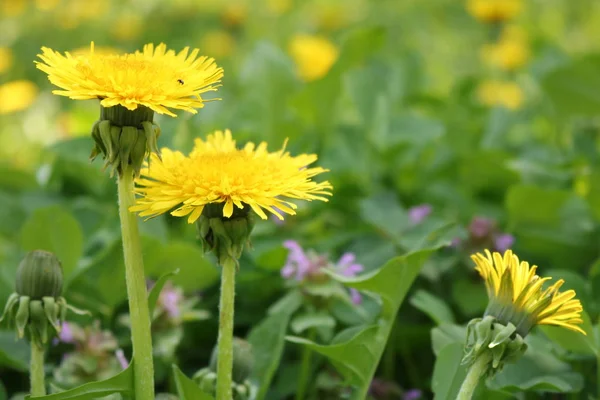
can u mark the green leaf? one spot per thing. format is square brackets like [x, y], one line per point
[13, 353]
[357, 358]
[385, 213]
[448, 373]
[268, 340]
[538, 369]
[575, 88]
[187, 388]
[157, 288]
[56, 230]
[303, 322]
[574, 341]
[447, 334]
[121, 383]
[433, 306]
[196, 272]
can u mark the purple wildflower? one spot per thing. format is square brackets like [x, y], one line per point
[297, 263]
[347, 267]
[66, 333]
[503, 242]
[417, 214]
[412, 394]
[121, 358]
[481, 227]
[170, 299]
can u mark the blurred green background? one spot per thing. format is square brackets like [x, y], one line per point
[495, 126]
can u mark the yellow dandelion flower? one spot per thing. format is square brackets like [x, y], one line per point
[510, 52]
[6, 59]
[500, 93]
[216, 171]
[517, 295]
[494, 10]
[156, 78]
[314, 56]
[17, 96]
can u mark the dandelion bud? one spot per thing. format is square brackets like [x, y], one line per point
[39, 275]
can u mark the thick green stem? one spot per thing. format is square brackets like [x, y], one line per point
[305, 368]
[143, 368]
[38, 387]
[476, 371]
[225, 341]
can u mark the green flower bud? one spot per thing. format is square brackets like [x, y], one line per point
[39, 275]
[125, 137]
[243, 360]
[227, 237]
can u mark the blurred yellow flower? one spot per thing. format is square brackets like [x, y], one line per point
[12, 8]
[46, 5]
[510, 52]
[17, 95]
[217, 172]
[6, 59]
[235, 13]
[501, 93]
[517, 295]
[494, 10]
[279, 7]
[218, 43]
[127, 26]
[313, 55]
[155, 78]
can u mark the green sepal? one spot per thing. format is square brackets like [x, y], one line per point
[503, 342]
[52, 310]
[13, 299]
[22, 316]
[38, 322]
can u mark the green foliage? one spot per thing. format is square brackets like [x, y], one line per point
[187, 388]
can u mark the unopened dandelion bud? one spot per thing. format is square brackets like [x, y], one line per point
[39, 275]
[36, 310]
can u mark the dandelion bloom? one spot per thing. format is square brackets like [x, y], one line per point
[156, 78]
[217, 172]
[494, 10]
[517, 295]
[501, 93]
[313, 55]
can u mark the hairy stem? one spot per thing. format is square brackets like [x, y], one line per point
[38, 386]
[476, 371]
[225, 341]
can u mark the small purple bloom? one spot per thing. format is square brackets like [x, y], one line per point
[66, 333]
[503, 242]
[417, 214]
[481, 227]
[347, 267]
[121, 358]
[170, 299]
[412, 394]
[297, 261]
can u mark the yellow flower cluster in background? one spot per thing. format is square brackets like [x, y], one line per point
[17, 96]
[491, 11]
[6, 59]
[314, 56]
[501, 93]
[510, 52]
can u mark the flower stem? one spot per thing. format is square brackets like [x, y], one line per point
[225, 341]
[141, 339]
[305, 368]
[38, 387]
[476, 371]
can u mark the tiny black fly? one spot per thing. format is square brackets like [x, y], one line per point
[180, 81]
